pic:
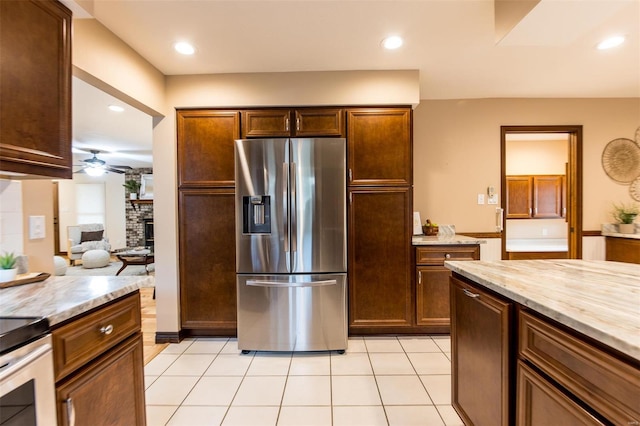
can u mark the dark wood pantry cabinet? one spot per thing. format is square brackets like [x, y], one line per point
[206, 220]
[35, 79]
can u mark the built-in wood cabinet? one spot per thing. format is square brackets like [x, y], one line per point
[432, 284]
[379, 264]
[98, 366]
[623, 249]
[535, 197]
[481, 339]
[379, 147]
[206, 220]
[207, 261]
[285, 122]
[35, 77]
[379, 212]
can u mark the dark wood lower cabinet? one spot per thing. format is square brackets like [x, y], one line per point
[480, 349]
[542, 404]
[108, 391]
[623, 249]
[207, 261]
[380, 285]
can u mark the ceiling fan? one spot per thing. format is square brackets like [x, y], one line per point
[96, 167]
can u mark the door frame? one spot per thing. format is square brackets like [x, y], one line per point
[573, 178]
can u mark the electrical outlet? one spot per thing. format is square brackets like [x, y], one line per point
[480, 198]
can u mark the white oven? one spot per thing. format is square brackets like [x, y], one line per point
[27, 387]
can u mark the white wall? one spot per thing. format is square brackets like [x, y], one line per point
[115, 218]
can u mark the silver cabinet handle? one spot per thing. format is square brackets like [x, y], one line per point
[447, 256]
[470, 294]
[71, 412]
[419, 278]
[297, 124]
[107, 329]
[350, 176]
[286, 124]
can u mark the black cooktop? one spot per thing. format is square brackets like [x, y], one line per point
[18, 331]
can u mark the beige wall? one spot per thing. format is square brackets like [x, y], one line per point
[457, 153]
[537, 157]
[37, 200]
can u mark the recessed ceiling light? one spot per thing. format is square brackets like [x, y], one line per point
[116, 108]
[184, 48]
[611, 42]
[392, 42]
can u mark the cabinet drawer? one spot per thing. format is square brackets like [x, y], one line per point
[436, 255]
[80, 341]
[605, 383]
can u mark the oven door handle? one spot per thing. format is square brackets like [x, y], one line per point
[18, 363]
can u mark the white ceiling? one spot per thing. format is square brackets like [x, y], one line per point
[550, 53]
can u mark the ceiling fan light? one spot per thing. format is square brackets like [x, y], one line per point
[94, 171]
[611, 42]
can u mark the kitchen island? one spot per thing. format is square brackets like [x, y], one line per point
[545, 342]
[97, 344]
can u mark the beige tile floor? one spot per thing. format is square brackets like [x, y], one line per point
[379, 381]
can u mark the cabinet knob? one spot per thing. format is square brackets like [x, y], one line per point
[107, 329]
[447, 256]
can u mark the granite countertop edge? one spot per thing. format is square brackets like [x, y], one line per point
[439, 240]
[619, 235]
[61, 298]
[596, 298]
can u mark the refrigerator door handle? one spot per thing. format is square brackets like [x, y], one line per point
[294, 213]
[285, 207]
[286, 284]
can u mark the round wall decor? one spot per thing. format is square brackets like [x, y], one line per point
[621, 160]
[634, 189]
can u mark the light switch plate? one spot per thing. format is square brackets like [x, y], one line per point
[493, 199]
[36, 227]
[480, 198]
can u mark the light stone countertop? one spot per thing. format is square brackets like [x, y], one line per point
[61, 298]
[599, 299]
[436, 240]
[611, 230]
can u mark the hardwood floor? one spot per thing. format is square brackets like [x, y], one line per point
[151, 349]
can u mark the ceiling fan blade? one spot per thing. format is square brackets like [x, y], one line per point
[111, 169]
[121, 167]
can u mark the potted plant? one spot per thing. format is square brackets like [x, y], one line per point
[133, 187]
[624, 215]
[8, 269]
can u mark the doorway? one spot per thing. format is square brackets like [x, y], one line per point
[532, 215]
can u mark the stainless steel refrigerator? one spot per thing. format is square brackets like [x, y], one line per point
[291, 244]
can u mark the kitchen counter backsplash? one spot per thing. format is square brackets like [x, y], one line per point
[436, 240]
[611, 230]
[61, 298]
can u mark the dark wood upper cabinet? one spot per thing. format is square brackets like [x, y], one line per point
[303, 122]
[535, 197]
[35, 79]
[205, 147]
[379, 149]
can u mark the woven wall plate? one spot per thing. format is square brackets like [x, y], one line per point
[634, 189]
[621, 160]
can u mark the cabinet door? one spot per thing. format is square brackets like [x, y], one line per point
[205, 147]
[35, 76]
[108, 391]
[432, 297]
[319, 122]
[539, 403]
[547, 197]
[266, 123]
[480, 342]
[207, 260]
[519, 195]
[622, 249]
[379, 259]
[379, 148]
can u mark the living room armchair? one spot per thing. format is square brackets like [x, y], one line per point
[85, 237]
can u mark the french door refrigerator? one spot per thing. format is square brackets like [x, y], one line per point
[291, 244]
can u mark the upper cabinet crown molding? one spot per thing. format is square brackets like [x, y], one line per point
[35, 77]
